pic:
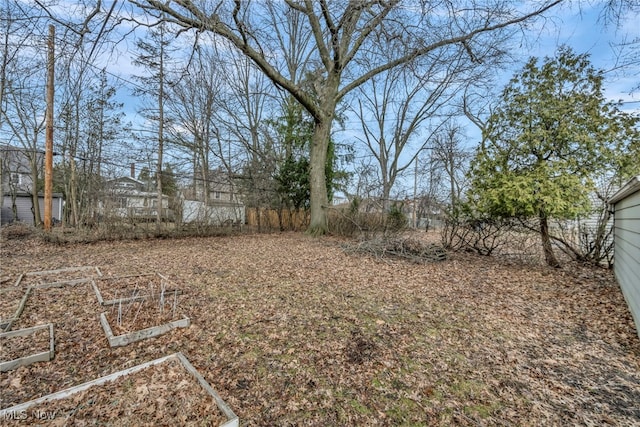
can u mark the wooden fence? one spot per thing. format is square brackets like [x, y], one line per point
[277, 219]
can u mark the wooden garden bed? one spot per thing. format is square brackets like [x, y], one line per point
[119, 289]
[58, 276]
[164, 391]
[26, 346]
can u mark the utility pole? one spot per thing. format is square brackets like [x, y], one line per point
[48, 151]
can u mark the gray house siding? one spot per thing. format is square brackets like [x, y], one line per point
[626, 265]
[23, 207]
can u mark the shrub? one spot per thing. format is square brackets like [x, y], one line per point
[396, 220]
[18, 230]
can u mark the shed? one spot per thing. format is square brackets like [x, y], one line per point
[24, 204]
[626, 237]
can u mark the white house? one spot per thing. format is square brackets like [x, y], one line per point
[626, 236]
[126, 198]
[222, 205]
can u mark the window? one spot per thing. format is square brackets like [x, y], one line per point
[124, 185]
[121, 202]
[216, 195]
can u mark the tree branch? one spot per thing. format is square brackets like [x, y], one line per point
[442, 43]
[214, 24]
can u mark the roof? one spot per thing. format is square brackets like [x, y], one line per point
[629, 188]
[125, 178]
[127, 192]
[40, 194]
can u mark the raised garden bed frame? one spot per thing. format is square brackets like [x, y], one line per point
[43, 356]
[232, 418]
[58, 271]
[5, 324]
[141, 297]
[154, 331]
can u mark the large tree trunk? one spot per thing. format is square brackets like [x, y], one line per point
[549, 256]
[317, 178]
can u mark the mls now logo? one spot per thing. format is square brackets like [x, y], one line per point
[24, 415]
[15, 415]
[43, 415]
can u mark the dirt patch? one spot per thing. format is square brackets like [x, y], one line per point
[294, 331]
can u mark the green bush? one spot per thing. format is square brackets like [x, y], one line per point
[396, 220]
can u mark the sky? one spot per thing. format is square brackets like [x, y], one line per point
[583, 28]
[578, 24]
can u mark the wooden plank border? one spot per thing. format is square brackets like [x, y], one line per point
[58, 271]
[154, 331]
[5, 325]
[43, 356]
[232, 418]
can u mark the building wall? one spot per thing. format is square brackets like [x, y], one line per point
[16, 169]
[627, 245]
[23, 205]
[216, 214]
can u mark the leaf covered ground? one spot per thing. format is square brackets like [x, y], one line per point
[292, 330]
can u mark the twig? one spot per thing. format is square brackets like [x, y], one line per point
[136, 316]
[175, 303]
[120, 313]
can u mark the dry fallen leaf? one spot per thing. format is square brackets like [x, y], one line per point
[294, 331]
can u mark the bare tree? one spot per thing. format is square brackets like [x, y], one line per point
[25, 120]
[102, 126]
[352, 43]
[250, 154]
[627, 49]
[22, 107]
[21, 72]
[15, 35]
[449, 154]
[397, 111]
[192, 106]
[431, 197]
[82, 97]
[367, 180]
[248, 95]
[153, 56]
